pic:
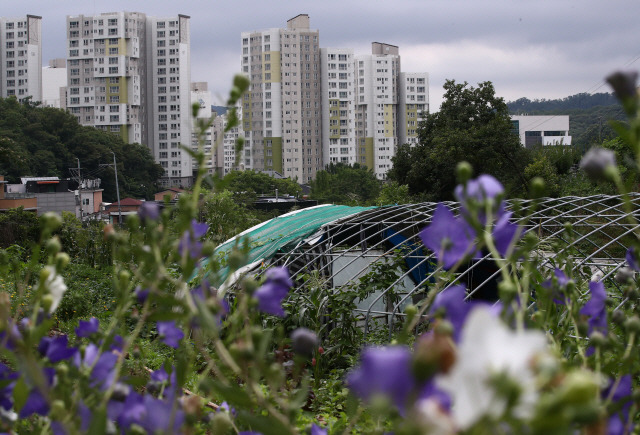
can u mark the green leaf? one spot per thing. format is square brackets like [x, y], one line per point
[233, 394]
[98, 424]
[20, 393]
[267, 425]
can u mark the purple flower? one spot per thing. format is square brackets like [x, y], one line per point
[595, 309]
[273, 291]
[85, 329]
[149, 210]
[431, 392]
[85, 416]
[170, 333]
[35, 404]
[7, 380]
[482, 188]
[117, 343]
[562, 279]
[619, 423]
[189, 241]
[450, 238]
[55, 348]
[160, 375]
[317, 430]
[452, 300]
[504, 233]
[632, 259]
[384, 370]
[141, 294]
[623, 83]
[104, 371]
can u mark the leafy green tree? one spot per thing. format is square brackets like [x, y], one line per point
[345, 184]
[44, 141]
[393, 193]
[247, 185]
[226, 216]
[473, 125]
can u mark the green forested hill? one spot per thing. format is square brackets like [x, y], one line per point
[43, 141]
[588, 114]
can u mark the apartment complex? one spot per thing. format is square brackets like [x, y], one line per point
[200, 94]
[282, 109]
[309, 107]
[129, 74]
[21, 57]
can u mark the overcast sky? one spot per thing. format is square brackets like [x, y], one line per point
[527, 48]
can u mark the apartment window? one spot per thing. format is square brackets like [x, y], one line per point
[112, 22]
[113, 51]
[113, 70]
[9, 44]
[161, 34]
[113, 41]
[113, 61]
[114, 99]
[114, 89]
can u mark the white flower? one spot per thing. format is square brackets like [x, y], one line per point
[56, 287]
[489, 348]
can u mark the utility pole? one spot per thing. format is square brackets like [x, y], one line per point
[78, 177]
[80, 189]
[115, 168]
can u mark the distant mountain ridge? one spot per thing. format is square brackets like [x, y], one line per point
[588, 115]
[578, 101]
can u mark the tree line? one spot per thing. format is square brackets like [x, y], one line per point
[45, 141]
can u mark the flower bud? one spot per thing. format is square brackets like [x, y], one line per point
[47, 302]
[618, 317]
[623, 83]
[464, 171]
[304, 341]
[596, 161]
[579, 387]
[51, 221]
[53, 245]
[507, 291]
[434, 353]
[624, 275]
[632, 324]
[62, 260]
[58, 409]
[598, 339]
[44, 273]
[537, 187]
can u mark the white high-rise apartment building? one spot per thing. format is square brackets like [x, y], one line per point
[377, 106]
[130, 74]
[339, 142]
[200, 94]
[282, 109]
[413, 105]
[21, 57]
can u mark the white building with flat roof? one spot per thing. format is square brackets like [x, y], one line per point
[54, 84]
[21, 57]
[129, 74]
[535, 130]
